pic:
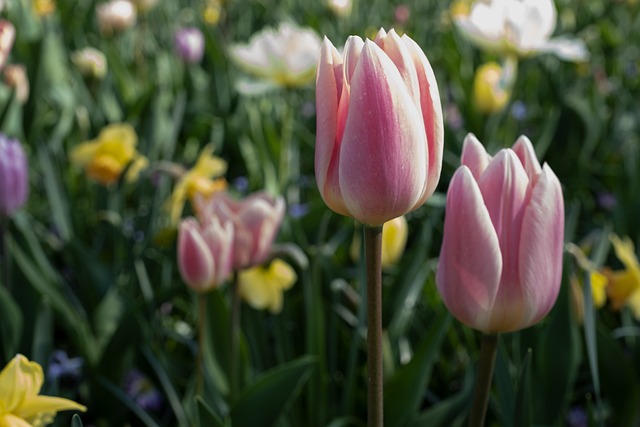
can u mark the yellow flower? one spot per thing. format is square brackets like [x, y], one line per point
[44, 7]
[262, 286]
[203, 180]
[394, 240]
[598, 288]
[491, 88]
[624, 285]
[106, 157]
[20, 404]
[212, 12]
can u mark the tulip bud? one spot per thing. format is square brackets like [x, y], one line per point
[340, 8]
[500, 264]
[256, 220]
[90, 62]
[15, 77]
[491, 91]
[116, 15]
[204, 253]
[14, 176]
[379, 128]
[7, 37]
[189, 45]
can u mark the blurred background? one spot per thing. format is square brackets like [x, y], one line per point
[93, 292]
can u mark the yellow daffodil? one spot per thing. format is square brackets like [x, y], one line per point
[598, 280]
[624, 285]
[598, 288]
[394, 240]
[106, 157]
[203, 180]
[262, 287]
[20, 404]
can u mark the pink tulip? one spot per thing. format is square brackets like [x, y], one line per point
[7, 37]
[14, 176]
[379, 128]
[205, 253]
[501, 259]
[256, 220]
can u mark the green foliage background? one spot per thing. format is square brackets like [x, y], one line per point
[94, 270]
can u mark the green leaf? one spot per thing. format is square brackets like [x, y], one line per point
[76, 421]
[271, 394]
[51, 290]
[405, 390]
[124, 398]
[590, 338]
[556, 370]
[206, 417]
[10, 324]
[619, 380]
[451, 411]
[523, 416]
[504, 386]
[167, 386]
[55, 194]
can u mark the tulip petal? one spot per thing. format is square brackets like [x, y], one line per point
[398, 52]
[328, 93]
[540, 253]
[504, 187]
[527, 155]
[470, 262]
[382, 167]
[195, 261]
[474, 156]
[567, 49]
[431, 115]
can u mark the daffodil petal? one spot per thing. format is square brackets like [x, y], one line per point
[9, 420]
[19, 380]
[33, 406]
[83, 153]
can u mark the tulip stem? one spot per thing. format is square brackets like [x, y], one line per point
[373, 254]
[488, 350]
[235, 339]
[202, 330]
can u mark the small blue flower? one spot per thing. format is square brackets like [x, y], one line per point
[519, 110]
[61, 366]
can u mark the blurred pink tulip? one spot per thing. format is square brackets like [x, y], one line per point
[500, 264]
[204, 253]
[115, 15]
[256, 220]
[7, 37]
[189, 44]
[379, 128]
[14, 176]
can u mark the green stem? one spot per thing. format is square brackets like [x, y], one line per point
[202, 330]
[289, 155]
[6, 256]
[235, 339]
[373, 251]
[488, 350]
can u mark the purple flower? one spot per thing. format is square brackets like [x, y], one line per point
[61, 366]
[577, 417]
[189, 45]
[14, 176]
[142, 391]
